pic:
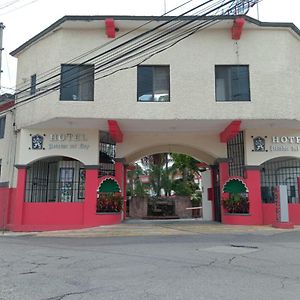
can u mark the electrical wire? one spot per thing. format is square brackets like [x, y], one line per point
[83, 55]
[99, 70]
[124, 43]
[17, 8]
[56, 87]
[117, 47]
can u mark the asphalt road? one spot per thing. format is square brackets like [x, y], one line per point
[262, 266]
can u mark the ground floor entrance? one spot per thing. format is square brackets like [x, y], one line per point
[89, 178]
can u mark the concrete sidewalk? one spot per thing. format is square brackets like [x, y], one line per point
[157, 228]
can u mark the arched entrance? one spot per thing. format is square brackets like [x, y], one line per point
[169, 185]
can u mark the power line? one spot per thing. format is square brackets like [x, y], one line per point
[73, 60]
[124, 44]
[19, 7]
[133, 56]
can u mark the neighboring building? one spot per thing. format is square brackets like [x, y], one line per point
[227, 99]
[7, 153]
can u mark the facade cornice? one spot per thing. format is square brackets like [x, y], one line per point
[53, 27]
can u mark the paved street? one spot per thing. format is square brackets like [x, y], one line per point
[196, 261]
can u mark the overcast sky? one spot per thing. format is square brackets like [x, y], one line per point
[25, 18]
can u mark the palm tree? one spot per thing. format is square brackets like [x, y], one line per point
[187, 167]
[133, 178]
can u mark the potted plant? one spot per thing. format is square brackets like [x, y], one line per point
[109, 202]
[237, 202]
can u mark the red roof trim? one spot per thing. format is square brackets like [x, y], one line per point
[110, 28]
[7, 105]
[115, 131]
[237, 28]
[230, 131]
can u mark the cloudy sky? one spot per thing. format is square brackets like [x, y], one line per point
[25, 18]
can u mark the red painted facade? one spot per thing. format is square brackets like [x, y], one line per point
[252, 181]
[18, 215]
[4, 201]
[41, 216]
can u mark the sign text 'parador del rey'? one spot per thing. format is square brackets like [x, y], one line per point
[59, 141]
[276, 143]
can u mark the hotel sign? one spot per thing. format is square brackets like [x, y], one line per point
[276, 144]
[285, 143]
[73, 141]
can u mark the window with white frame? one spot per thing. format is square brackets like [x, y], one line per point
[232, 83]
[77, 82]
[153, 83]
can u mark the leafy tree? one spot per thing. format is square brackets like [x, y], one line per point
[186, 165]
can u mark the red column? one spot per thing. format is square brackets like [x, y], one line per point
[224, 172]
[91, 186]
[121, 179]
[298, 183]
[252, 175]
[20, 196]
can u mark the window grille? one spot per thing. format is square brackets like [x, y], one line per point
[236, 155]
[107, 154]
[55, 181]
[280, 171]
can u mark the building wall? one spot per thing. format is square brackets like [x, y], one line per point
[203, 147]
[273, 74]
[80, 145]
[286, 143]
[7, 150]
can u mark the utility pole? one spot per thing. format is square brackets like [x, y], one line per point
[1, 49]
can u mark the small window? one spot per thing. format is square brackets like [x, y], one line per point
[0, 168]
[2, 127]
[232, 83]
[77, 83]
[153, 83]
[33, 84]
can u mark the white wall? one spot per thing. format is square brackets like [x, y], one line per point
[273, 77]
[85, 148]
[274, 149]
[203, 147]
[7, 150]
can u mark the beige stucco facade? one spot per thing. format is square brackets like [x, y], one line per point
[190, 123]
[279, 143]
[273, 76]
